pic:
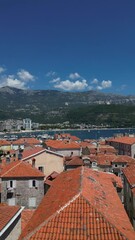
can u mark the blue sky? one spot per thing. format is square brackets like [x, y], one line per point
[73, 45]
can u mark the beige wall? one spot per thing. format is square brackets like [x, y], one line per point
[49, 161]
[5, 148]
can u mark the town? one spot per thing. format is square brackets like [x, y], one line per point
[66, 188]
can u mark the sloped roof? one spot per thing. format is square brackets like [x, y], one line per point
[81, 204]
[19, 169]
[59, 144]
[26, 216]
[105, 160]
[26, 140]
[75, 161]
[33, 151]
[129, 173]
[125, 140]
[6, 214]
[124, 159]
[4, 142]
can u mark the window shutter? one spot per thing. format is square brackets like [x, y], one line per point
[14, 183]
[37, 183]
[30, 183]
[8, 184]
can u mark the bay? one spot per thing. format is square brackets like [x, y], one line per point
[82, 134]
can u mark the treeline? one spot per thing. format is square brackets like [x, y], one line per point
[111, 115]
[104, 115]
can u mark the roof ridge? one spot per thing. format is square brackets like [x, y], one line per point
[11, 168]
[49, 218]
[34, 154]
[105, 218]
[81, 178]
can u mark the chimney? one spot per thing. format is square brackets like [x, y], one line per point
[33, 162]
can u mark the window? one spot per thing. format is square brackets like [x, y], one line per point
[41, 169]
[32, 202]
[33, 183]
[116, 165]
[11, 184]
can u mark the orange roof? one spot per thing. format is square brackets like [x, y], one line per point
[26, 140]
[6, 214]
[125, 140]
[75, 161]
[4, 142]
[124, 159]
[81, 204]
[74, 138]
[33, 151]
[58, 144]
[105, 159]
[129, 173]
[26, 216]
[19, 169]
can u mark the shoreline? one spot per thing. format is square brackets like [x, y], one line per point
[62, 130]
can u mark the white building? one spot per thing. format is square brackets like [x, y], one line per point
[27, 124]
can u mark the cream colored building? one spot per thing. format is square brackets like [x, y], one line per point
[46, 161]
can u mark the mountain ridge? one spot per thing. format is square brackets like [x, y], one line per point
[52, 105]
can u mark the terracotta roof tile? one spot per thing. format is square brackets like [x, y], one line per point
[81, 204]
[32, 141]
[4, 142]
[6, 214]
[58, 144]
[124, 159]
[75, 161]
[19, 169]
[125, 140]
[26, 216]
[33, 151]
[129, 173]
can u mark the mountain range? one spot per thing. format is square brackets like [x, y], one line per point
[49, 105]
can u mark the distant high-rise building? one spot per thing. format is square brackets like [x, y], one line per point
[27, 124]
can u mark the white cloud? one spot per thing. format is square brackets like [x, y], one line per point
[55, 80]
[14, 82]
[18, 80]
[51, 74]
[25, 75]
[2, 70]
[95, 81]
[106, 84]
[70, 86]
[99, 88]
[74, 76]
[11, 81]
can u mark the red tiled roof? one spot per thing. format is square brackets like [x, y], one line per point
[26, 140]
[129, 173]
[6, 214]
[124, 159]
[81, 204]
[4, 142]
[58, 144]
[33, 151]
[125, 140]
[105, 160]
[74, 138]
[75, 161]
[19, 169]
[26, 216]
